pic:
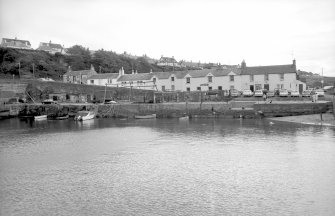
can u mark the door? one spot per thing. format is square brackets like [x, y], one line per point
[252, 88]
[301, 88]
[267, 87]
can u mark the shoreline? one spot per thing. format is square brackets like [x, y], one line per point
[313, 119]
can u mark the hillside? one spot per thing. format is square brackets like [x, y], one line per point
[315, 80]
[24, 62]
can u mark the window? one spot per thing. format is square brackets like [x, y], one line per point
[210, 79]
[258, 86]
[154, 80]
[231, 87]
[163, 88]
[231, 78]
[266, 77]
[92, 81]
[281, 77]
[220, 88]
[172, 79]
[188, 79]
[172, 87]
[210, 88]
[251, 78]
[199, 88]
[188, 89]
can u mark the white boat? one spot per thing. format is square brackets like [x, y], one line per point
[84, 115]
[184, 118]
[145, 116]
[40, 117]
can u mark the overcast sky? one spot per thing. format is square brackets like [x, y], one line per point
[263, 32]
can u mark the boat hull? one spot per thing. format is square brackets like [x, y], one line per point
[41, 117]
[145, 116]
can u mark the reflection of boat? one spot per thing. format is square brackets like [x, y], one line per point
[4, 114]
[145, 116]
[184, 118]
[62, 117]
[84, 115]
[40, 117]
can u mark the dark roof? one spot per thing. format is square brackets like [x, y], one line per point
[136, 77]
[167, 59]
[273, 69]
[49, 46]
[9, 40]
[82, 72]
[104, 76]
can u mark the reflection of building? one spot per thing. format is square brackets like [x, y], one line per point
[51, 47]
[15, 43]
[79, 77]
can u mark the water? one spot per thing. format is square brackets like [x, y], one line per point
[166, 167]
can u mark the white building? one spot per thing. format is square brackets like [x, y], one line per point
[221, 78]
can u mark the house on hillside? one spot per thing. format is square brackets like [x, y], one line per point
[167, 61]
[78, 77]
[15, 43]
[137, 81]
[51, 48]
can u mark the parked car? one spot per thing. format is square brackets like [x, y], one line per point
[49, 101]
[306, 93]
[295, 94]
[247, 93]
[234, 93]
[258, 93]
[320, 92]
[270, 94]
[108, 101]
[283, 93]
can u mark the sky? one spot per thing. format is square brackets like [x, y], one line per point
[262, 32]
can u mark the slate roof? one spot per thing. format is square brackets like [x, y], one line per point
[272, 69]
[76, 73]
[15, 43]
[136, 77]
[104, 76]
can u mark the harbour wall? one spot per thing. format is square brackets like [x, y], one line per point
[173, 110]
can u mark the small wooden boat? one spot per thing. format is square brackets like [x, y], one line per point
[151, 116]
[84, 115]
[40, 117]
[62, 117]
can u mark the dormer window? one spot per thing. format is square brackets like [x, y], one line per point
[172, 79]
[154, 80]
[281, 77]
[210, 79]
[188, 80]
[231, 77]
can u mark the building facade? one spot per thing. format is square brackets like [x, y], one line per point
[51, 48]
[78, 77]
[15, 43]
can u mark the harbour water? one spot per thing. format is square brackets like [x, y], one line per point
[166, 167]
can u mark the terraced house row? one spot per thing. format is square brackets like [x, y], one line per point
[227, 77]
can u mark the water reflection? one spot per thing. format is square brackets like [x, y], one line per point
[166, 167]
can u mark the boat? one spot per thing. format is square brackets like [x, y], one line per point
[62, 117]
[184, 118]
[151, 116]
[40, 117]
[84, 115]
[4, 114]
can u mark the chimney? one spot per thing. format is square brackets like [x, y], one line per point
[92, 68]
[132, 71]
[69, 69]
[294, 62]
[136, 72]
[122, 71]
[243, 65]
[150, 70]
[50, 42]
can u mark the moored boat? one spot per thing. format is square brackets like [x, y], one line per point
[84, 115]
[62, 117]
[184, 118]
[40, 117]
[151, 116]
